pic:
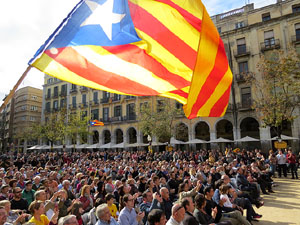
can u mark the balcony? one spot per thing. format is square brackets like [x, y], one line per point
[104, 100]
[73, 106]
[94, 102]
[83, 105]
[105, 119]
[270, 44]
[296, 39]
[244, 105]
[55, 95]
[130, 117]
[128, 97]
[63, 94]
[73, 90]
[83, 89]
[241, 77]
[116, 119]
[242, 50]
[116, 99]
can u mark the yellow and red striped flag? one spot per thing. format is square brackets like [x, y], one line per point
[167, 48]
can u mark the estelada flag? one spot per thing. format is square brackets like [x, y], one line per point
[96, 123]
[167, 48]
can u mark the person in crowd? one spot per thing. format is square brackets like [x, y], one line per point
[68, 220]
[189, 207]
[128, 215]
[109, 198]
[166, 204]
[77, 210]
[157, 217]
[292, 160]
[178, 213]
[18, 202]
[28, 193]
[281, 159]
[150, 202]
[4, 195]
[37, 210]
[104, 216]
[86, 198]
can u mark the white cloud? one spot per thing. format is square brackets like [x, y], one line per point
[25, 26]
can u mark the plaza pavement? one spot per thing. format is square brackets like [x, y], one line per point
[282, 207]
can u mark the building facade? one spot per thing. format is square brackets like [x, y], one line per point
[27, 111]
[247, 34]
[6, 129]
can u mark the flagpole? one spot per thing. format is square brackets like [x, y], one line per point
[12, 92]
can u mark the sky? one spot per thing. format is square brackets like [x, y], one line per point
[26, 25]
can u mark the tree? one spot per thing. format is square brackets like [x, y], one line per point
[159, 121]
[77, 126]
[276, 91]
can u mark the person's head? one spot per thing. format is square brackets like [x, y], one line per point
[37, 179]
[209, 191]
[183, 187]
[17, 193]
[128, 201]
[178, 212]
[77, 209]
[28, 185]
[164, 192]
[13, 183]
[240, 170]
[3, 215]
[156, 180]
[147, 196]
[200, 201]
[6, 204]
[66, 184]
[4, 189]
[188, 204]
[226, 179]
[85, 190]
[109, 199]
[103, 212]
[109, 179]
[224, 189]
[36, 208]
[40, 195]
[68, 220]
[157, 217]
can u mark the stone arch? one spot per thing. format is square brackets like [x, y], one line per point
[95, 136]
[182, 131]
[249, 127]
[202, 131]
[119, 137]
[131, 135]
[224, 129]
[106, 135]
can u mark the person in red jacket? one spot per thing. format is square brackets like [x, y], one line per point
[291, 159]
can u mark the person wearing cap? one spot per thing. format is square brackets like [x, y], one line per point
[28, 193]
[4, 192]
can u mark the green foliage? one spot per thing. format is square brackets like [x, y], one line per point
[158, 121]
[276, 91]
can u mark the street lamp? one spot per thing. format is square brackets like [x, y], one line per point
[150, 142]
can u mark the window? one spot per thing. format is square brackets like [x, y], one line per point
[95, 96]
[74, 101]
[239, 25]
[296, 8]
[48, 106]
[130, 111]
[62, 103]
[144, 104]
[117, 97]
[117, 111]
[23, 107]
[50, 80]
[33, 108]
[55, 91]
[106, 94]
[84, 99]
[95, 114]
[55, 104]
[64, 89]
[105, 114]
[246, 97]
[25, 97]
[266, 17]
[32, 118]
[160, 105]
[269, 38]
[241, 46]
[33, 97]
[297, 31]
[243, 67]
[219, 30]
[23, 118]
[49, 93]
[74, 87]
[179, 105]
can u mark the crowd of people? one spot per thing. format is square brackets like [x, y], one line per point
[130, 188]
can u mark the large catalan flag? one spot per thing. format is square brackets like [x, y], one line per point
[167, 48]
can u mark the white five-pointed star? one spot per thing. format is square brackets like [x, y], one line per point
[103, 15]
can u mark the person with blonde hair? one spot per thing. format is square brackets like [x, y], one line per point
[86, 198]
[37, 210]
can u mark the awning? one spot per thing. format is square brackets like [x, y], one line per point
[97, 145]
[58, 147]
[220, 140]
[108, 145]
[158, 143]
[120, 145]
[196, 141]
[173, 141]
[81, 146]
[34, 147]
[284, 137]
[246, 139]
